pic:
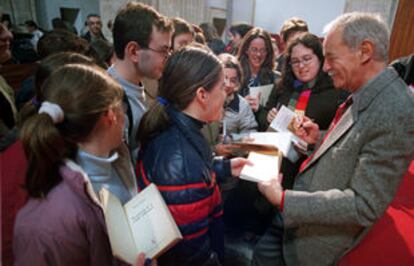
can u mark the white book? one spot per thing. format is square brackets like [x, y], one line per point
[284, 121]
[264, 168]
[143, 224]
[264, 92]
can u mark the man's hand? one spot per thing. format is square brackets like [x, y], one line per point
[237, 165]
[307, 130]
[272, 190]
[271, 115]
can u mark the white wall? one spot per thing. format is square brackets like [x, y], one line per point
[270, 14]
[243, 11]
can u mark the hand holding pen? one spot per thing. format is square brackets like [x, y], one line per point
[307, 130]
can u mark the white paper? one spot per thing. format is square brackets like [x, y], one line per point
[264, 92]
[265, 167]
[283, 119]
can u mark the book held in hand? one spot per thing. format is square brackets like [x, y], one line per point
[264, 168]
[143, 224]
[264, 91]
[288, 121]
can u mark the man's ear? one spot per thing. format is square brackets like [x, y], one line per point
[366, 51]
[132, 50]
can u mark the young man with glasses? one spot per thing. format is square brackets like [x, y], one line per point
[142, 43]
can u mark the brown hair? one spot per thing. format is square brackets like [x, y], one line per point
[134, 23]
[46, 67]
[61, 41]
[230, 61]
[83, 93]
[185, 71]
[180, 27]
[313, 43]
[293, 25]
[266, 71]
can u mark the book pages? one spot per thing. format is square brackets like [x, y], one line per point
[151, 223]
[119, 232]
[264, 168]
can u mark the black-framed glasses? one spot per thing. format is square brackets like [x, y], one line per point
[165, 52]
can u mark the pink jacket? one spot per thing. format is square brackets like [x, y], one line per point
[65, 228]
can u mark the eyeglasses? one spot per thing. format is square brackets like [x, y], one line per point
[165, 52]
[306, 60]
[255, 50]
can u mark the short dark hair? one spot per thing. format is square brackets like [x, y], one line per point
[180, 27]
[134, 22]
[293, 25]
[240, 28]
[61, 41]
[93, 15]
[31, 23]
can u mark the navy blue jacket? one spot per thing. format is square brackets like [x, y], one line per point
[179, 161]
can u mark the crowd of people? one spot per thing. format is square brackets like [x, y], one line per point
[162, 102]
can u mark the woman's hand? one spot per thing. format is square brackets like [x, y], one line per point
[272, 190]
[237, 165]
[224, 149]
[254, 101]
[308, 130]
[271, 115]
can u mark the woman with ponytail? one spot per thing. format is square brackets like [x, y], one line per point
[175, 156]
[74, 147]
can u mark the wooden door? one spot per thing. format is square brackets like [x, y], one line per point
[402, 35]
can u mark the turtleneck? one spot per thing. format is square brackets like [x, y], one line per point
[102, 174]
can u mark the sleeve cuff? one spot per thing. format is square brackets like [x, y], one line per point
[282, 201]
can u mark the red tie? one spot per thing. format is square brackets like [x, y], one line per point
[339, 113]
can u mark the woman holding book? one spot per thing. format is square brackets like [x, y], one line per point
[256, 57]
[175, 156]
[305, 89]
[74, 147]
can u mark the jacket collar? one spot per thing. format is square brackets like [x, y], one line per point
[234, 104]
[190, 128]
[366, 95]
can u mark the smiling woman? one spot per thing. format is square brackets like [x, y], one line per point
[256, 57]
[304, 88]
[175, 156]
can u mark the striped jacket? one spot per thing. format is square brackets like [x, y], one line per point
[179, 161]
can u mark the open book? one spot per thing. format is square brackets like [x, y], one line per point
[265, 167]
[285, 121]
[265, 152]
[143, 224]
